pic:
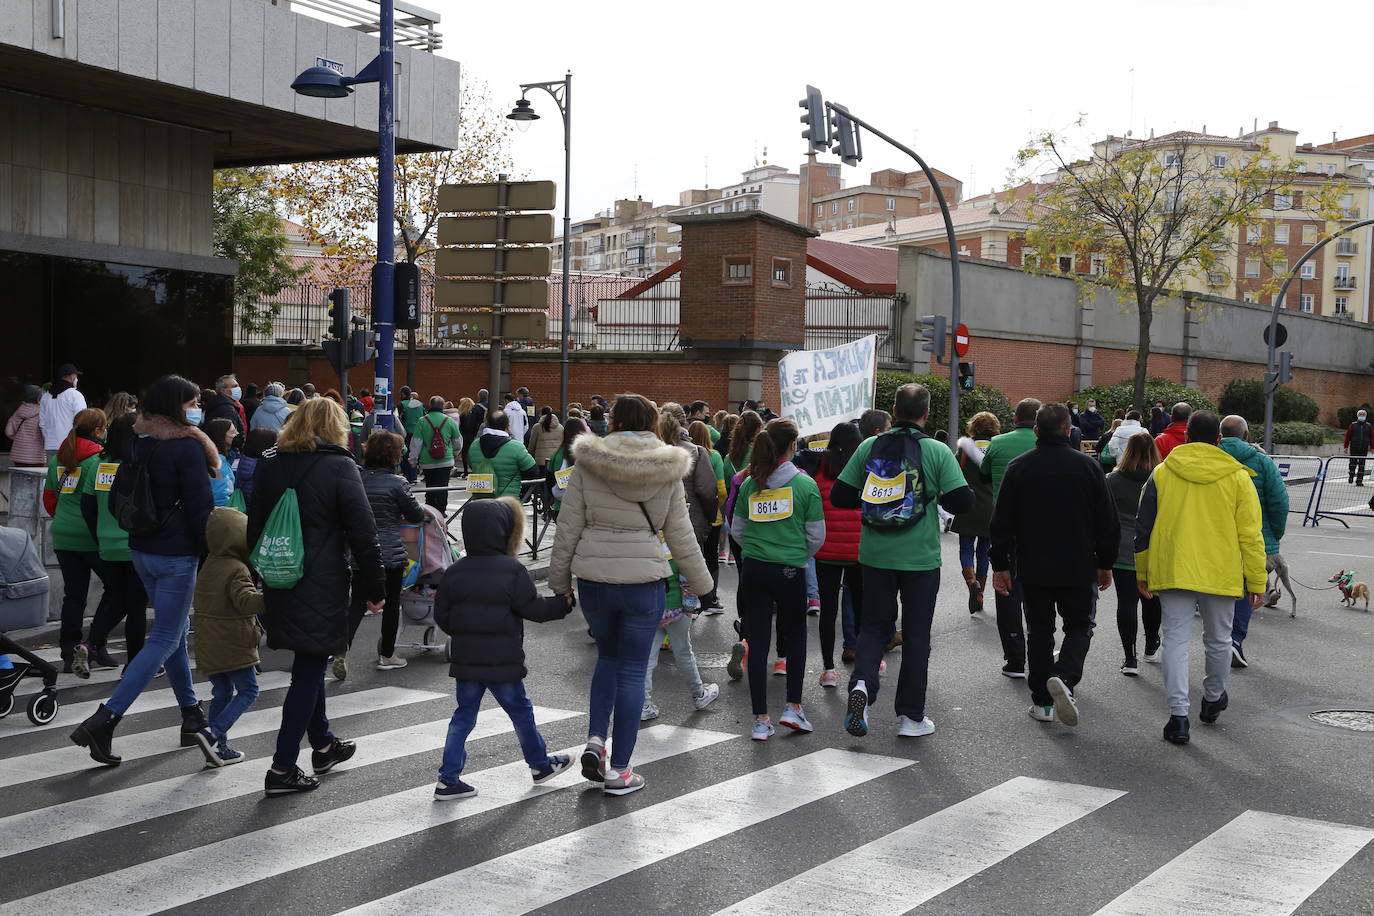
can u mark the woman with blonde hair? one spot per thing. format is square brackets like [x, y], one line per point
[311, 619]
[1137, 462]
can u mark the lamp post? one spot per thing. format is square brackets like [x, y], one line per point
[522, 114]
[328, 83]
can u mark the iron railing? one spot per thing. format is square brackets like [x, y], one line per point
[415, 26]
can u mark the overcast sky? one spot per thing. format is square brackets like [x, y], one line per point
[669, 96]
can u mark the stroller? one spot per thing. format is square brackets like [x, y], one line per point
[430, 553]
[24, 602]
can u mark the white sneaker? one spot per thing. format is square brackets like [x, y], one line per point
[708, 695]
[910, 728]
[650, 711]
[387, 662]
[1065, 707]
[1041, 713]
[762, 730]
[796, 720]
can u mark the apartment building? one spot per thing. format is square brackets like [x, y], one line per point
[827, 205]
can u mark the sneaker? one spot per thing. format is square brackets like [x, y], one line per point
[227, 754]
[208, 742]
[729, 558]
[622, 783]
[739, 653]
[847, 657]
[708, 695]
[908, 727]
[762, 730]
[664, 646]
[724, 557]
[340, 668]
[813, 606]
[1014, 671]
[649, 711]
[1176, 730]
[1065, 707]
[780, 667]
[1041, 713]
[101, 658]
[796, 720]
[1152, 652]
[1238, 657]
[387, 662]
[160, 672]
[830, 678]
[714, 609]
[1211, 709]
[856, 713]
[448, 791]
[882, 666]
[338, 751]
[594, 760]
[81, 661]
[1130, 667]
[556, 764]
[289, 783]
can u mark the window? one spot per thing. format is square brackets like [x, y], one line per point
[1219, 160]
[1252, 234]
[892, 203]
[782, 272]
[1099, 265]
[1283, 201]
[1066, 263]
[1248, 297]
[754, 204]
[834, 208]
[1252, 266]
[1030, 258]
[1305, 302]
[849, 205]
[739, 270]
[1281, 234]
[1280, 267]
[634, 256]
[1171, 159]
[820, 210]
[1171, 201]
[1342, 305]
[1309, 235]
[1308, 271]
[716, 209]
[849, 224]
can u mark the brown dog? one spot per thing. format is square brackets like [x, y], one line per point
[1351, 590]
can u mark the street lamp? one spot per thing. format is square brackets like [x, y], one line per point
[323, 82]
[522, 114]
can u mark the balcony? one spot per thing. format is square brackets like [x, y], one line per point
[595, 247]
[1350, 213]
[415, 26]
[1347, 247]
[635, 238]
[1216, 279]
[1345, 283]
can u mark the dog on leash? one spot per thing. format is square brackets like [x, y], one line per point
[1277, 568]
[1350, 589]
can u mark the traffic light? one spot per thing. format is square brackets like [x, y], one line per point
[1285, 367]
[338, 314]
[362, 346]
[846, 135]
[966, 382]
[933, 335]
[817, 132]
[407, 296]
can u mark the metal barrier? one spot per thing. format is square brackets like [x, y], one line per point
[534, 491]
[1302, 474]
[1345, 489]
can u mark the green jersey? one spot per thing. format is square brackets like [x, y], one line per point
[114, 540]
[776, 519]
[1001, 450]
[69, 528]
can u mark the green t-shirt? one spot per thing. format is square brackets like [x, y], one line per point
[504, 467]
[715, 433]
[1001, 450]
[69, 529]
[917, 548]
[114, 540]
[426, 426]
[411, 412]
[776, 533]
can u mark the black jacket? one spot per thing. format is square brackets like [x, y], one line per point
[392, 505]
[485, 598]
[1055, 512]
[336, 520]
[178, 472]
[223, 406]
[1091, 422]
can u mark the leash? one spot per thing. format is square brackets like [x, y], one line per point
[1313, 587]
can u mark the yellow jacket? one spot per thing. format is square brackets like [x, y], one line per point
[1199, 525]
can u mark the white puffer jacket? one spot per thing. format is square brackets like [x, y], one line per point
[602, 534]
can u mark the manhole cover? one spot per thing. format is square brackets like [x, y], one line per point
[1355, 720]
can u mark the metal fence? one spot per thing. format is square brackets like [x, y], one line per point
[1345, 490]
[1302, 474]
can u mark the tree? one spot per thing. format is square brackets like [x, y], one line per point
[246, 229]
[1163, 212]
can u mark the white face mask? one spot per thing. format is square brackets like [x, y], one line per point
[236, 393]
[1361, 417]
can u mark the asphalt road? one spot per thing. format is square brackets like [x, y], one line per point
[994, 813]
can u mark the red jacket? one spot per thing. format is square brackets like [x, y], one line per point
[85, 448]
[1174, 434]
[842, 526]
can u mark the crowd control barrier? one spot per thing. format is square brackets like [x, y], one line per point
[1302, 474]
[1344, 490]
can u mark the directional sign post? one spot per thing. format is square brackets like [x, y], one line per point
[961, 340]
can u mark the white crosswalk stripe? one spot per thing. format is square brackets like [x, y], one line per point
[70, 759]
[554, 869]
[1258, 864]
[909, 866]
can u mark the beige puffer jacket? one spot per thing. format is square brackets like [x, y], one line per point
[602, 534]
[543, 443]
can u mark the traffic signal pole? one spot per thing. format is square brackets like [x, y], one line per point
[384, 277]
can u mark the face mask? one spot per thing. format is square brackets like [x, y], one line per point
[236, 393]
[194, 415]
[1361, 416]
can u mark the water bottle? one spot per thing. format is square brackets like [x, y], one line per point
[690, 602]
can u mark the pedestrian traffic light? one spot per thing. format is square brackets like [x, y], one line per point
[846, 135]
[966, 382]
[817, 132]
[1285, 367]
[338, 314]
[362, 346]
[933, 335]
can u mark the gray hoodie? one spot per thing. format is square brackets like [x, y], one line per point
[271, 413]
[781, 476]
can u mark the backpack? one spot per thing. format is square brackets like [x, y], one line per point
[279, 555]
[131, 498]
[893, 495]
[437, 446]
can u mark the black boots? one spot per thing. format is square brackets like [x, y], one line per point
[97, 734]
[1211, 709]
[1176, 731]
[192, 721]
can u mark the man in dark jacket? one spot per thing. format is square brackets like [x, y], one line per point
[1091, 422]
[482, 603]
[1054, 507]
[225, 405]
[1357, 437]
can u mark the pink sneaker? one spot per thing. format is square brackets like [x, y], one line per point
[780, 667]
[830, 678]
[813, 606]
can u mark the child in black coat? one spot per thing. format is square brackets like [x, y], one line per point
[482, 603]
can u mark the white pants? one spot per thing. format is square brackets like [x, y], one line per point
[1177, 606]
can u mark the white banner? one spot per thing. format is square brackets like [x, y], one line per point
[823, 387]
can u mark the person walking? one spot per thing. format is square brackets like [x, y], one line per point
[560, 466]
[517, 421]
[699, 483]
[251, 401]
[500, 461]
[468, 427]
[436, 432]
[1116, 445]
[1199, 545]
[222, 434]
[1001, 451]
[545, 438]
[1357, 437]
[177, 460]
[255, 445]
[893, 478]
[597, 422]
[1090, 421]
[273, 410]
[624, 502]
[1138, 460]
[1273, 497]
[58, 406]
[224, 404]
[973, 527]
[700, 434]
[310, 619]
[1159, 418]
[1176, 433]
[1054, 511]
[837, 562]
[24, 429]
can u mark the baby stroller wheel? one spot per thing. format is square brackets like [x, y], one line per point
[429, 637]
[6, 705]
[42, 708]
[448, 649]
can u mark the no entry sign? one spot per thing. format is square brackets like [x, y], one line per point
[961, 340]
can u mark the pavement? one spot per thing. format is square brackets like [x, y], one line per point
[1265, 813]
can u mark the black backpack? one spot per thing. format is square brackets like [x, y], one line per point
[131, 497]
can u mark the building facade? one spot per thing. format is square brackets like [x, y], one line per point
[827, 206]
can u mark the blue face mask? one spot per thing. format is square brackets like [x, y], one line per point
[194, 415]
[236, 393]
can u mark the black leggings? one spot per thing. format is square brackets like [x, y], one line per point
[829, 576]
[710, 552]
[129, 602]
[1127, 597]
[736, 551]
[765, 587]
[437, 477]
[391, 611]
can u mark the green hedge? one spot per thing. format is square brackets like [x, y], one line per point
[1298, 433]
[1346, 415]
[1111, 398]
[1247, 399]
[982, 397]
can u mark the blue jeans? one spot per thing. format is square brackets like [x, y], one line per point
[1240, 621]
[170, 583]
[517, 705]
[302, 712]
[973, 554]
[813, 588]
[624, 621]
[232, 693]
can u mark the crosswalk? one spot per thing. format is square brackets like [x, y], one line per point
[373, 841]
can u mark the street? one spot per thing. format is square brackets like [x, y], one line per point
[1265, 813]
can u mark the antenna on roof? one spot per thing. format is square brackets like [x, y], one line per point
[1204, 130]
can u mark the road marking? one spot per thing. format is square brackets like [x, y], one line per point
[195, 874]
[67, 716]
[907, 867]
[86, 816]
[1327, 537]
[1258, 864]
[71, 759]
[1358, 556]
[31, 685]
[547, 872]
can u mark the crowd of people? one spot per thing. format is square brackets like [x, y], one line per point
[168, 502]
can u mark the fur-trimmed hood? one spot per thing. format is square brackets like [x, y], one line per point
[636, 465]
[158, 427]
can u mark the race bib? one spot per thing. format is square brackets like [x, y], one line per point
[879, 490]
[70, 482]
[771, 505]
[481, 483]
[105, 475]
[563, 478]
[663, 542]
[529, 411]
